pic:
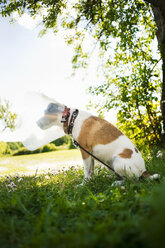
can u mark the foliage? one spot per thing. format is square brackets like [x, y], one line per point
[132, 83]
[13, 146]
[123, 32]
[24, 151]
[7, 118]
[53, 211]
[48, 9]
[4, 149]
[61, 141]
[46, 148]
[64, 141]
[71, 145]
[17, 148]
[135, 95]
[49, 148]
[10, 147]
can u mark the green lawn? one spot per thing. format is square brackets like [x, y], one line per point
[41, 162]
[52, 210]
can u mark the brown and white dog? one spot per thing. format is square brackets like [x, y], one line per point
[103, 140]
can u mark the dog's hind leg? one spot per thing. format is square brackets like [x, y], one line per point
[119, 169]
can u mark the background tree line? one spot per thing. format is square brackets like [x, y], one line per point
[134, 83]
[17, 148]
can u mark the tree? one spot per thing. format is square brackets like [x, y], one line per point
[125, 21]
[7, 118]
[134, 91]
[158, 8]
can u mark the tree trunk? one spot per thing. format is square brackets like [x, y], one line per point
[163, 102]
[160, 21]
[158, 8]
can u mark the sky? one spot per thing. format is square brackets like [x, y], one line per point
[31, 63]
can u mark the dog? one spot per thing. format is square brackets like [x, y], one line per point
[99, 137]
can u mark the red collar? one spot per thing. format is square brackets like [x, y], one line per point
[65, 119]
[68, 126]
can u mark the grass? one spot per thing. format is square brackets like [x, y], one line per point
[24, 163]
[51, 210]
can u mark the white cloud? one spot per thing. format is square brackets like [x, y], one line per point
[26, 20]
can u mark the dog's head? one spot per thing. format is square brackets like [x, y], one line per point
[51, 115]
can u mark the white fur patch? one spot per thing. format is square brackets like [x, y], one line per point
[82, 116]
[133, 166]
[88, 167]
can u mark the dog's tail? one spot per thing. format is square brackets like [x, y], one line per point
[146, 174]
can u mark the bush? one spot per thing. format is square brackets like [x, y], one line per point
[49, 148]
[61, 141]
[14, 145]
[24, 151]
[17, 148]
[10, 147]
[71, 145]
[4, 149]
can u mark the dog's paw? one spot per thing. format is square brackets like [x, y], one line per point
[84, 181]
[117, 183]
[154, 177]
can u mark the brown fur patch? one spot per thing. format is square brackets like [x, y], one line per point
[96, 131]
[127, 153]
[146, 174]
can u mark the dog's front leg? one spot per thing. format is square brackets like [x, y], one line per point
[88, 167]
